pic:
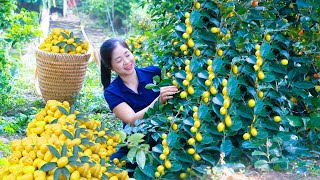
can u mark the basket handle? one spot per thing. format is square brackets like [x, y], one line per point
[36, 83]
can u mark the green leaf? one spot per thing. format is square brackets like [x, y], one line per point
[258, 107]
[81, 117]
[56, 174]
[152, 86]
[72, 158]
[147, 170]
[66, 48]
[48, 166]
[72, 109]
[64, 35]
[156, 79]
[54, 151]
[265, 49]
[135, 137]
[67, 134]
[63, 110]
[294, 121]
[232, 85]
[194, 17]
[64, 150]
[304, 85]
[131, 154]
[181, 27]
[72, 47]
[60, 44]
[54, 121]
[122, 134]
[203, 111]
[141, 158]
[172, 138]
[261, 164]
[77, 133]
[258, 153]
[84, 159]
[102, 161]
[226, 147]
[71, 35]
[66, 172]
[77, 40]
[209, 158]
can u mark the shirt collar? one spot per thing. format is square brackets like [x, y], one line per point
[124, 88]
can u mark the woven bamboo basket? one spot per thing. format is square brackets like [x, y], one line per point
[61, 76]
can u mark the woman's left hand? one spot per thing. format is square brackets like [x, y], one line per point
[167, 93]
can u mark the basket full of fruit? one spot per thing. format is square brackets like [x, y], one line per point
[62, 60]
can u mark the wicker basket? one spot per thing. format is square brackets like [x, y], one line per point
[61, 76]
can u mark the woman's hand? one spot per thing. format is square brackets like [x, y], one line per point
[166, 93]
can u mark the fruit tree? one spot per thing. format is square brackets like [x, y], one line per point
[247, 72]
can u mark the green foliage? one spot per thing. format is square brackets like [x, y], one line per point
[288, 89]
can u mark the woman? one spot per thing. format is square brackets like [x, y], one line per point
[126, 95]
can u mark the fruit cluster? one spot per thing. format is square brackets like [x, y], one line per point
[62, 142]
[65, 42]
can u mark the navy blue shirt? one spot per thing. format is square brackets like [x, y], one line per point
[117, 92]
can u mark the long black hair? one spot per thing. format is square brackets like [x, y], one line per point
[106, 50]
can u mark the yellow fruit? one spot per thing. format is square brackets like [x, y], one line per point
[211, 76]
[164, 136]
[224, 91]
[220, 52]
[162, 156]
[191, 141]
[190, 90]
[277, 118]
[209, 62]
[251, 103]
[185, 82]
[185, 35]
[254, 131]
[223, 110]
[183, 94]
[28, 169]
[160, 168]
[191, 151]
[208, 82]
[189, 30]
[257, 53]
[166, 151]
[174, 126]
[226, 103]
[28, 176]
[246, 136]
[75, 175]
[224, 82]
[259, 61]
[197, 5]
[284, 62]
[260, 94]
[261, 75]
[228, 121]
[206, 94]
[213, 90]
[183, 175]
[101, 133]
[70, 41]
[195, 109]
[257, 47]
[215, 30]
[187, 21]
[79, 49]
[190, 43]
[156, 174]
[256, 67]
[197, 124]
[235, 69]
[183, 47]
[221, 127]
[187, 15]
[197, 52]
[197, 157]
[55, 49]
[268, 37]
[193, 129]
[198, 137]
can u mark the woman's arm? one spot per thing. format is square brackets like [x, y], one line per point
[124, 112]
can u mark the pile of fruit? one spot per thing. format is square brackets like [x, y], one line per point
[65, 42]
[63, 143]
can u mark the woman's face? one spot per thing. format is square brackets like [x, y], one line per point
[122, 61]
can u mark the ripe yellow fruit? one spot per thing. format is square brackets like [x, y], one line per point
[246, 136]
[190, 90]
[187, 15]
[211, 76]
[251, 103]
[284, 62]
[166, 151]
[156, 174]
[189, 77]
[223, 110]
[62, 162]
[193, 129]
[160, 168]
[187, 62]
[197, 124]
[174, 126]
[185, 35]
[189, 30]
[191, 151]
[254, 132]
[70, 41]
[277, 118]
[187, 68]
[224, 91]
[226, 103]
[209, 62]
[167, 164]
[257, 53]
[259, 61]
[183, 175]
[28, 169]
[162, 156]
[221, 127]
[183, 47]
[213, 90]
[75, 175]
[79, 49]
[164, 136]
[215, 30]
[228, 121]
[257, 47]
[268, 37]
[197, 52]
[224, 82]
[55, 49]
[199, 137]
[183, 94]
[197, 157]
[235, 69]
[206, 94]
[197, 5]
[256, 67]
[261, 75]
[195, 109]
[191, 141]
[187, 21]
[260, 94]
[185, 82]
[190, 43]
[208, 82]
[220, 52]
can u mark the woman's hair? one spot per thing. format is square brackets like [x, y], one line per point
[106, 50]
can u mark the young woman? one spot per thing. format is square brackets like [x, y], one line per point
[127, 96]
